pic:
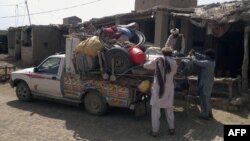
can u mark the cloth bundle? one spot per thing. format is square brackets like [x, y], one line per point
[89, 47]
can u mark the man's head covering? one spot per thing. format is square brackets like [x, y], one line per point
[210, 53]
[167, 50]
[174, 31]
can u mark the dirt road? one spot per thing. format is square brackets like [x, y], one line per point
[42, 120]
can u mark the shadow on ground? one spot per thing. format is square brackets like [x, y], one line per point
[120, 124]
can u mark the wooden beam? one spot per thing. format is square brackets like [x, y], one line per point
[245, 62]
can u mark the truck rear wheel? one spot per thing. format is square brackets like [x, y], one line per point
[94, 103]
[23, 91]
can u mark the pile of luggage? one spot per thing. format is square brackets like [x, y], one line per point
[116, 51]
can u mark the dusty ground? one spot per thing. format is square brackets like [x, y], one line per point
[42, 120]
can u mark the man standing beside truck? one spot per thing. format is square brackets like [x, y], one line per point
[206, 62]
[162, 91]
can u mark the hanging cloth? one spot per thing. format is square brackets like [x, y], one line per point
[161, 72]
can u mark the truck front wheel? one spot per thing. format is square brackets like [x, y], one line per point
[94, 103]
[23, 91]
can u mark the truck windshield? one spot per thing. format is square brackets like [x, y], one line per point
[50, 66]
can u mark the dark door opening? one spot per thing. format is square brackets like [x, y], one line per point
[230, 53]
[148, 29]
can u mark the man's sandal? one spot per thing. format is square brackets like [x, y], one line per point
[153, 134]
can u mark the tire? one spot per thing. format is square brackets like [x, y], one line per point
[138, 38]
[23, 91]
[122, 59]
[95, 104]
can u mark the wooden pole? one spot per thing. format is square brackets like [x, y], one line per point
[245, 62]
[28, 10]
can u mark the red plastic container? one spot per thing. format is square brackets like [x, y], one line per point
[137, 55]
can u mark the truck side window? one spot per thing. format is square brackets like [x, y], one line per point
[50, 66]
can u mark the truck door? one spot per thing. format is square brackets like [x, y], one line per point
[46, 77]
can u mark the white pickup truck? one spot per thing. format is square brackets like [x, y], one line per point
[52, 79]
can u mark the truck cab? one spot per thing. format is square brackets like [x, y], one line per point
[45, 79]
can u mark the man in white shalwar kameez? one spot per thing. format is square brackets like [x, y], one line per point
[172, 39]
[167, 68]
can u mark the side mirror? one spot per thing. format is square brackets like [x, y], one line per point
[36, 69]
